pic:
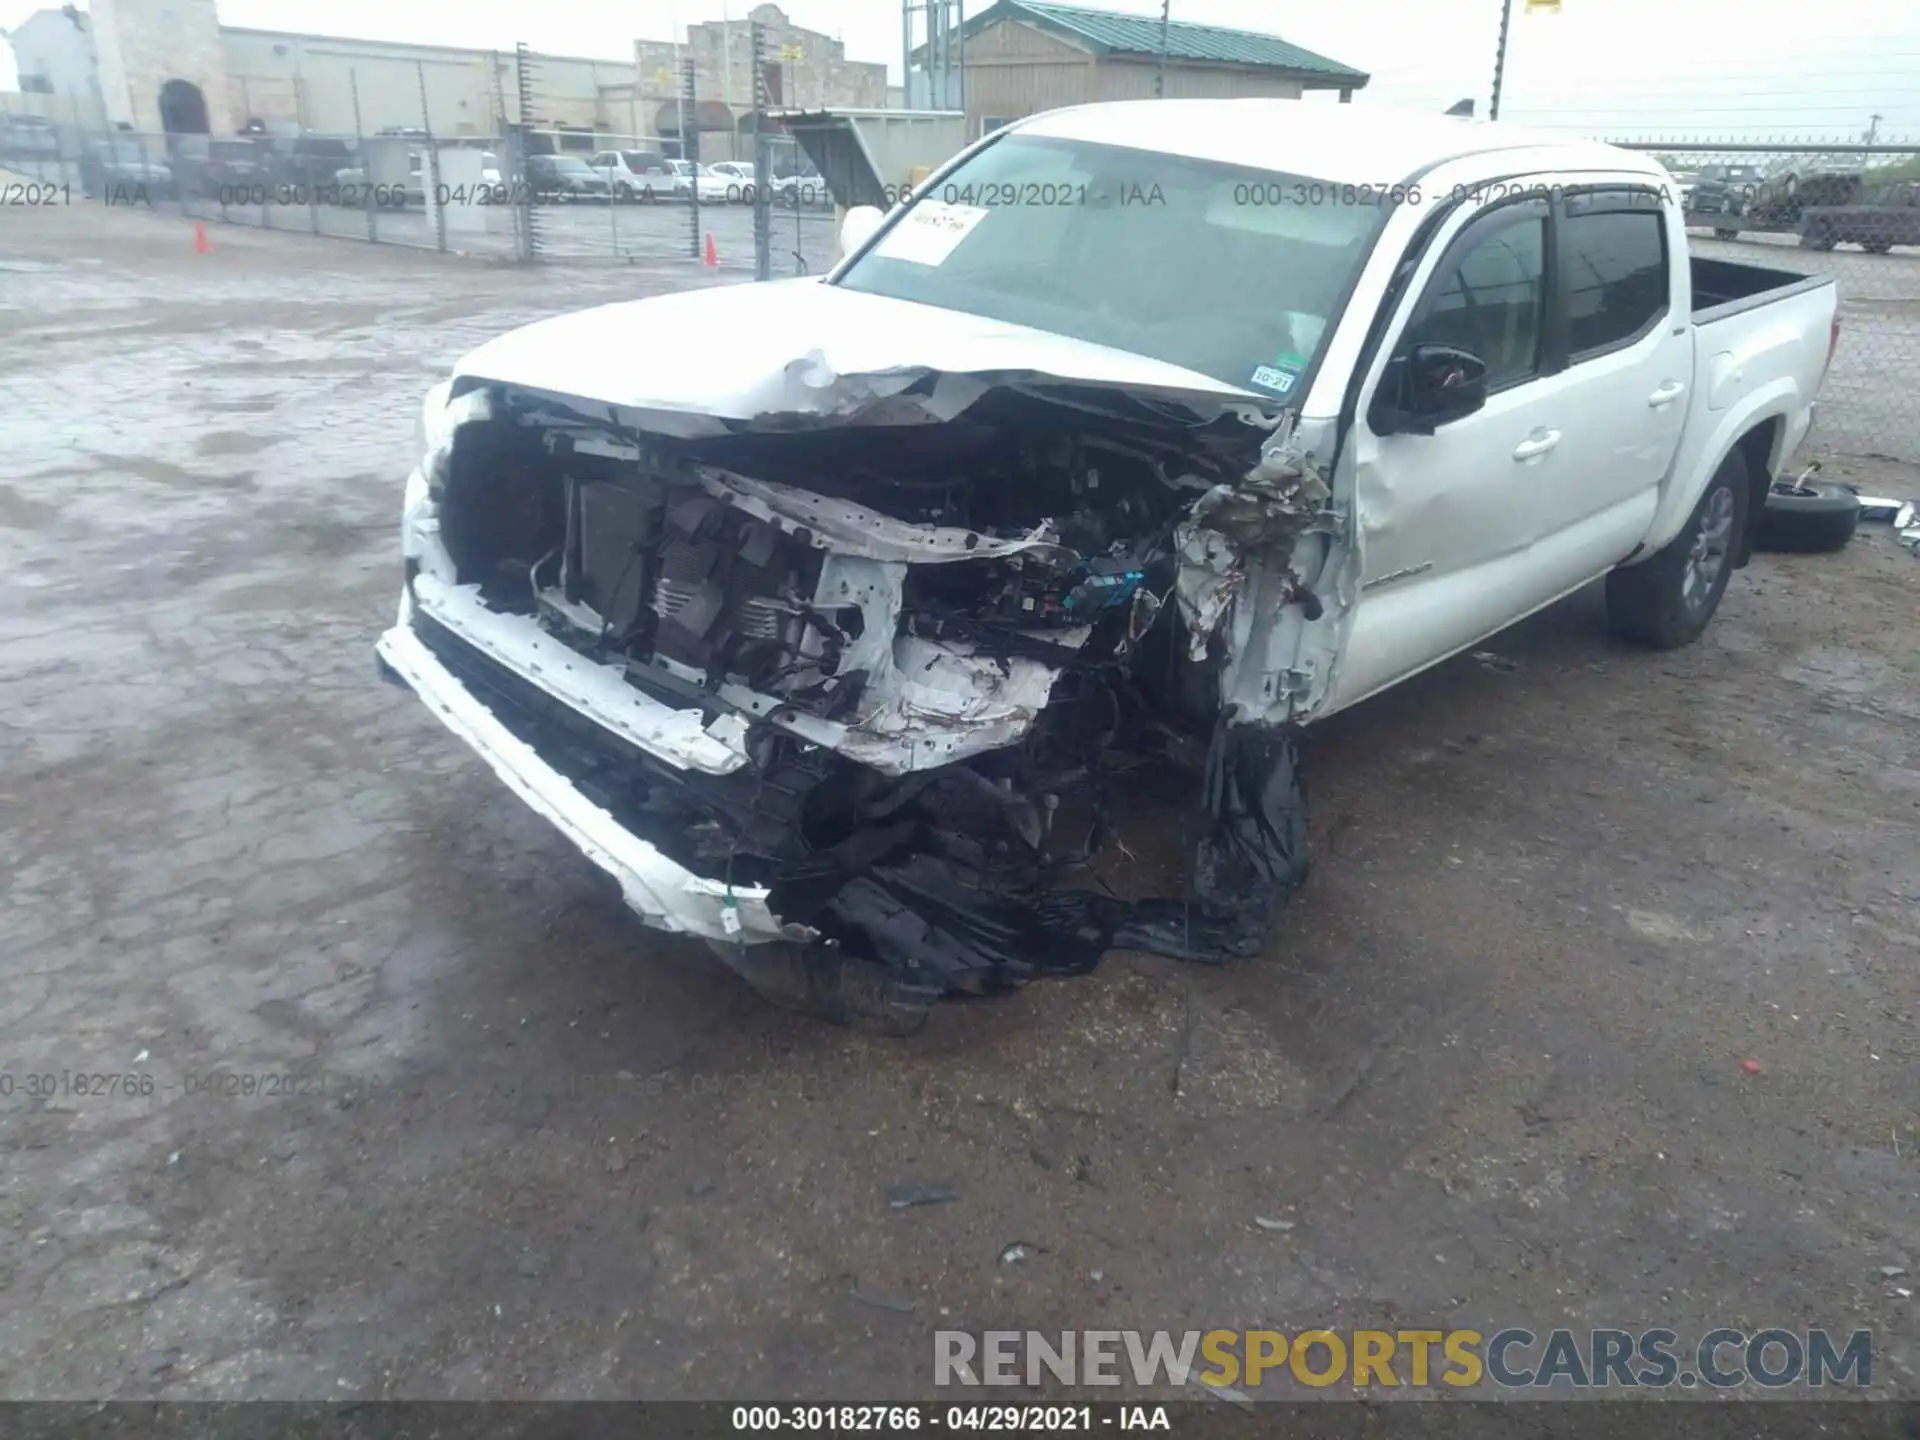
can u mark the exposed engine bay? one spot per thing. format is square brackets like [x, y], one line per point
[879, 676]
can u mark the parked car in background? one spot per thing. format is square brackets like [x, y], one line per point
[303, 163]
[1889, 217]
[712, 188]
[634, 174]
[28, 138]
[125, 172]
[797, 183]
[1787, 189]
[566, 177]
[233, 166]
[354, 187]
[739, 176]
[814, 627]
[1721, 192]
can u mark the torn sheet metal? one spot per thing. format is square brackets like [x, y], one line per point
[1882, 509]
[849, 528]
[1240, 579]
[813, 720]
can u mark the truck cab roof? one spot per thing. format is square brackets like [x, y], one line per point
[1349, 144]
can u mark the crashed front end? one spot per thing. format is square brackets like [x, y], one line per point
[855, 678]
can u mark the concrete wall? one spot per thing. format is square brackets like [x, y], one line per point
[311, 79]
[142, 44]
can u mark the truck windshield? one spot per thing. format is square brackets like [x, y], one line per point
[1234, 272]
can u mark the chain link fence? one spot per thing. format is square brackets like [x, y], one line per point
[403, 188]
[1849, 211]
[688, 192]
[539, 191]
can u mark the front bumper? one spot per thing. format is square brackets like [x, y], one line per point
[665, 893]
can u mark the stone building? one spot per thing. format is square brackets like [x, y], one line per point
[807, 70]
[170, 65]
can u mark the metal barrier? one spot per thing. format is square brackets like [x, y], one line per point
[1849, 211]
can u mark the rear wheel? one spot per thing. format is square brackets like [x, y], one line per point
[1876, 247]
[1665, 602]
[1725, 232]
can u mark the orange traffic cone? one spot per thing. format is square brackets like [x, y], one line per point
[713, 255]
[201, 245]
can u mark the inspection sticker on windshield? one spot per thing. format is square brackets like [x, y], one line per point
[928, 233]
[1268, 378]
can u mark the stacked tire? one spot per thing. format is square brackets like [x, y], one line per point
[1808, 517]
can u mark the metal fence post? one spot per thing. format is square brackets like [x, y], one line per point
[526, 202]
[360, 155]
[690, 151]
[762, 161]
[430, 165]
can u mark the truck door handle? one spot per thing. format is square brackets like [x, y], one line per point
[1536, 447]
[1666, 394]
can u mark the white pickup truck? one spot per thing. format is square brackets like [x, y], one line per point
[822, 614]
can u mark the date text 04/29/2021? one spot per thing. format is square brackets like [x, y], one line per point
[964, 1418]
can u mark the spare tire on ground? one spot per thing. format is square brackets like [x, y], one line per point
[1806, 517]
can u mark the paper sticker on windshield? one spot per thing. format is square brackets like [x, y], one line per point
[1269, 378]
[928, 233]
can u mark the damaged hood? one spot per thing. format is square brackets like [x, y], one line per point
[684, 362]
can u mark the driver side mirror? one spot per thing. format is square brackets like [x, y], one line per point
[858, 227]
[1429, 386]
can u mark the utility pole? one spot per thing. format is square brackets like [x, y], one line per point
[1873, 127]
[1160, 75]
[1500, 58]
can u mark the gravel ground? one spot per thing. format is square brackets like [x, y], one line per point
[1490, 1068]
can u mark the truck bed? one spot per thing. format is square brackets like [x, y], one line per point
[1728, 287]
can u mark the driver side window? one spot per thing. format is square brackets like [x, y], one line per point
[1490, 298]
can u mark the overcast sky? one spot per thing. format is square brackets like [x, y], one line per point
[1638, 68]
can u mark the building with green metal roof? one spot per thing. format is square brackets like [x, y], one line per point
[1023, 56]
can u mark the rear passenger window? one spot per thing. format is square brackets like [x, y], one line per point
[1492, 302]
[1614, 263]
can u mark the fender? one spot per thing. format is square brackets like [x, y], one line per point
[1780, 400]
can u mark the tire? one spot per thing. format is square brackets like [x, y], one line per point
[624, 192]
[1820, 241]
[1666, 601]
[1808, 519]
[1877, 247]
[827, 984]
[1725, 232]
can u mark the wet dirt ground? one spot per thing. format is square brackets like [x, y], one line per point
[408, 1107]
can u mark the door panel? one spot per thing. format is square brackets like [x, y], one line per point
[1631, 370]
[1446, 519]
